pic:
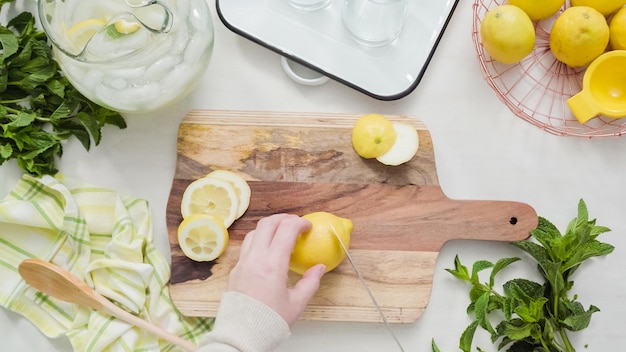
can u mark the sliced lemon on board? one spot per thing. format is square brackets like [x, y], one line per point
[202, 237]
[211, 196]
[80, 33]
[241, 188]
[405, 147]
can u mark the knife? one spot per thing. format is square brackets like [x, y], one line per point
[369, 292]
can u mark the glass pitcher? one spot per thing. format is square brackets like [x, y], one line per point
[130, 55]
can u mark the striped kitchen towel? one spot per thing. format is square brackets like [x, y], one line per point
[102, 237]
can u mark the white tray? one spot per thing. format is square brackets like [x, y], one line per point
[319, 41]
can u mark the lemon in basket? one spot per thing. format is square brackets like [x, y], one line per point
[507, 34]
[605, 7]
[538, 9]
[202, 237]
[579, 35]
[617, 30]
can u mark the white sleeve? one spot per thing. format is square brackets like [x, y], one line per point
[244, 324]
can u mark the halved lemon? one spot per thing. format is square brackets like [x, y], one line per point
[202, 237]
[405, 147]
[241, 188]
[211, 196]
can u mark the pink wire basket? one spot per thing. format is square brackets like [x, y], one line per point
[537, 88]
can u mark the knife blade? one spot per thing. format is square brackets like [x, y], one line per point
[369, 292]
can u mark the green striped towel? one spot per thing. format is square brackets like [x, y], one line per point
[102, 237]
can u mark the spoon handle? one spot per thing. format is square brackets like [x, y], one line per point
[57, 282]
[113, 310]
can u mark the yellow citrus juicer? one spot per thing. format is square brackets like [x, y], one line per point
[604, 88]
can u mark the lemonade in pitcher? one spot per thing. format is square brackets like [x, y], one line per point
[130, 55]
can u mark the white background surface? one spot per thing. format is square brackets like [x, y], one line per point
[482, 151]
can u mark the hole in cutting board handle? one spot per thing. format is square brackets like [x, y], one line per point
[513, 221]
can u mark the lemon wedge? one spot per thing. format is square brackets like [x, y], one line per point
[241, 188]
[202, 237]
[80, 33]
[211, 196]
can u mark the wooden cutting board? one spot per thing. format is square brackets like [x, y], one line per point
[304, 162]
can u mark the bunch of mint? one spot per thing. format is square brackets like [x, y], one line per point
[537, 316]
[39, 108]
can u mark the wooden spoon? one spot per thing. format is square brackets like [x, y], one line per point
[61, 284]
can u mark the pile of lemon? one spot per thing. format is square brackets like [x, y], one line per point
[212, 203]
[209, 206]
[584, 30]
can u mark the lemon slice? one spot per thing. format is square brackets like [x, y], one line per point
[126, 27]
[202, 237]
[211, 196]
[241, 188]
[80, 33]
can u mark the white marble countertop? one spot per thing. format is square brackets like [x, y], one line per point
[482, 151]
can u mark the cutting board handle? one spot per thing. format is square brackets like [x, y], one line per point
[413, 218]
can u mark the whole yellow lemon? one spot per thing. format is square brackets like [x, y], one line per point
[320, 244]
[579, 35]
[507, 34]
[605, 7]
[538, 9]
[617, 30]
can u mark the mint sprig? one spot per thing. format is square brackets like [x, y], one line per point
[39, 108]
[536, 317]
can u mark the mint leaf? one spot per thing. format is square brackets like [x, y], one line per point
[499, 266]
[465, 343]
[459, 271]
[434, 346]
[9, 43]
[478, 267]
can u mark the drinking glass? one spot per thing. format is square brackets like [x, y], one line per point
[374, 22]
[309, 5]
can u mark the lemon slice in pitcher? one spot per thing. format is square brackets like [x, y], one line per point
[202, 237]
[80, 33]
[211, 196]
[126, 27]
